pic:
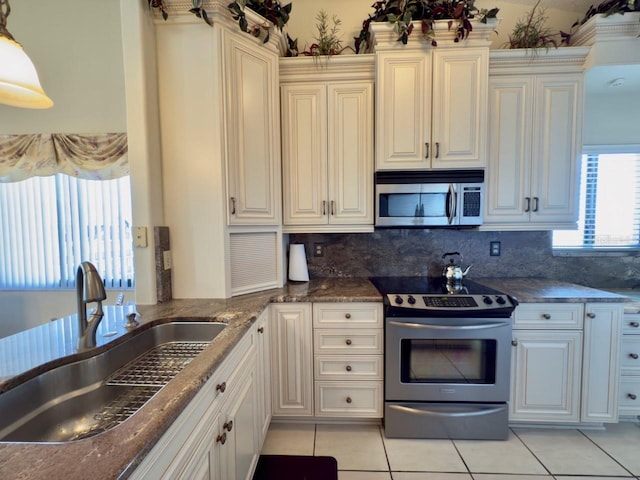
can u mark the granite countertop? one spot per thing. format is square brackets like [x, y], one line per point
[540, 290]
[117, 452]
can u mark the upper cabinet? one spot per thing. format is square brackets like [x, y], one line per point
[431, 102]
[253, 133]
[431, 108]
[327, 144]
[535, 125]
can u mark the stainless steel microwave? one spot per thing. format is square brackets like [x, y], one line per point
[433, 198]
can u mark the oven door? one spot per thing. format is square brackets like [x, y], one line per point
[447, 359]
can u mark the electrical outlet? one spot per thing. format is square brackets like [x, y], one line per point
[494, 249]
[318, 249]
[166, 259]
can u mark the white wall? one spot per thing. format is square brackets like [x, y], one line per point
[612, 119]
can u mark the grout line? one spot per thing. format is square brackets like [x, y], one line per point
[384, 447]
[605, 452]
[531, 451]
[461, 457]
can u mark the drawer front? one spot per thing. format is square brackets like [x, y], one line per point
[549, 316]
[348, 367]
[347, 315]
[347, 342]
[630, 355]
[346, 399]
[629, 396]
[631, 324]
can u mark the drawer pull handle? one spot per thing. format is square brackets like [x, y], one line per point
[632, 396]
[221, 387]
[261, 330]
[546, 316]
[228, 426]
[591, 315]
[634, 324]
[222, 438]
[349, 400]
[634, 356]
[349, 368]
[347, 315]
[348, 342]
[233, 205]
[426, 147]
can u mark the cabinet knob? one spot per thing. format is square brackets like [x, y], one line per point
[348, 368]
[514, 343]
[221, 387]
[634, 356]
[591, 315]
[347, 315]
[634, 324]
[261, 330]
[546, 316]
[228, 426]
[632, 396]
[222, 438]
[349, 400]
[348, 342]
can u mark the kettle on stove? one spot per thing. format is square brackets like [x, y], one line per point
[453, 273]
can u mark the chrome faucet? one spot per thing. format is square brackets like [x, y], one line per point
[89, 288]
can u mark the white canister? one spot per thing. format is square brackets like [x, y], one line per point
[298, 263]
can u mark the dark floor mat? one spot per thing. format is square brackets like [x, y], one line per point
[294, 467]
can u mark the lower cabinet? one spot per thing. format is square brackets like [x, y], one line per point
[630, 365]
[327, 360]
[215, 437]
[565, 363]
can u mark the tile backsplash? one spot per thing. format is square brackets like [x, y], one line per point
[419, 252]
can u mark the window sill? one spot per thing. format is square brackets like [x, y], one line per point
[595, 252]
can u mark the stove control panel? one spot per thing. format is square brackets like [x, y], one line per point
[459, 303]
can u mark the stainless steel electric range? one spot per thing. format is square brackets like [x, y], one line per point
[447, 358]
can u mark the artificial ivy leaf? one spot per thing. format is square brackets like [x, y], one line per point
[266, 37]
[243, 24]
[287, 8]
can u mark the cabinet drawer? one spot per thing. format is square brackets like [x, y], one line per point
[347, 315]
[631, 324]
[549, 316]
[630, 396]
[349, 399]
[347, 342]
[630, 355]
[348, 367]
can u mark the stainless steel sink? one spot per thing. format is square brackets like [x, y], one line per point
[90, 396]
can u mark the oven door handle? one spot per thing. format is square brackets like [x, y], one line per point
[465, 412]
[477, 326]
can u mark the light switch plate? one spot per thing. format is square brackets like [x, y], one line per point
[140, 237]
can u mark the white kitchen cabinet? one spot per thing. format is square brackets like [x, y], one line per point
[601, 362]
[535, 125]
[253, 132]
[327, 143]
[545, 383]
[629, 400]
[292, 359]
[215, 435]
[263, 342]
[431, 107]
[565, 363]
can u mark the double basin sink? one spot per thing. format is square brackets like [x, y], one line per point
[90, 396]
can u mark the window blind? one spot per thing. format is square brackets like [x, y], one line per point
[49, 225]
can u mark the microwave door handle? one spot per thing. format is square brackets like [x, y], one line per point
[451, 203]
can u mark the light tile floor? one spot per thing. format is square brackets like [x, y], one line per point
[364, 453]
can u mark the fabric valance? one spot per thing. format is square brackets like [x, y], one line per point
[94, 157]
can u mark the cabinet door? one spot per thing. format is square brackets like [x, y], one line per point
[292, 359]
[459, 119]
[304, 149]
[350, 153]
[403, 110]
[253, 133]
[545, 376]
[263, 366]
[508, 173]
[601, 362]
[556, 143]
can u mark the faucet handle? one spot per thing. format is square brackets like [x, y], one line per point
[132, 315]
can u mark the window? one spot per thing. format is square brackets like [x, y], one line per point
[49, 225]
[609, 203]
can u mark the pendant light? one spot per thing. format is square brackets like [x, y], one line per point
[19, 83]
